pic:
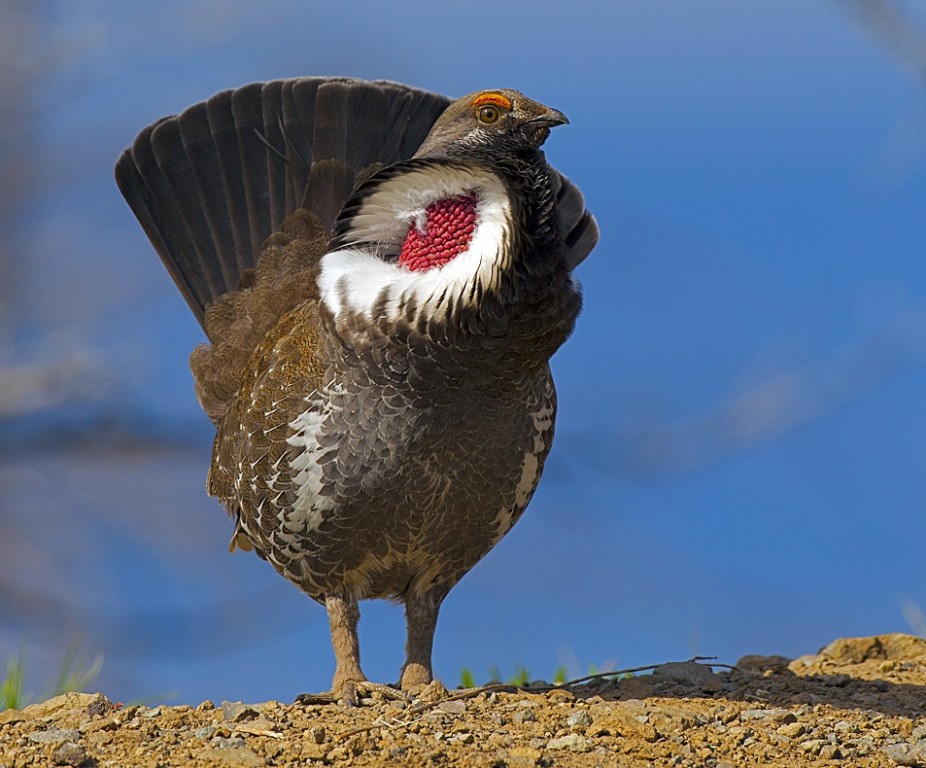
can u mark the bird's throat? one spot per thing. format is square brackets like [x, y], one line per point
[447, 230]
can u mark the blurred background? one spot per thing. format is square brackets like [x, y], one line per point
[741, 445]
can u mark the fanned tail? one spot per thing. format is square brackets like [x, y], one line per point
[211, 184]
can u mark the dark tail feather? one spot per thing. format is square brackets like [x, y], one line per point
[359, 130]
[330, 175]
[162, 217]
[211, 184]
[220, 118]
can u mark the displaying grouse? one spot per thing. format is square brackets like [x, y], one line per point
[383, 276]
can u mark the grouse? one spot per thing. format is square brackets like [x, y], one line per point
[383, 276]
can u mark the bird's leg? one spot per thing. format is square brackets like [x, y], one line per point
[343, 615]
[349, 682]
[421, 619]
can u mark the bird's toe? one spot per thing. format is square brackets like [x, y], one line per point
[352, 693]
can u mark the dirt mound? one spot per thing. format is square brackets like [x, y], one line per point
[857, 702]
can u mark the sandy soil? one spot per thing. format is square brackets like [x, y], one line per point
[859, 702]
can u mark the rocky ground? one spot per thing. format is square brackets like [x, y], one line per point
[859, 702]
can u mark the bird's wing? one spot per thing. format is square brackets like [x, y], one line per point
[577, 226]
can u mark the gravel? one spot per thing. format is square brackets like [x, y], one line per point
[857, 702]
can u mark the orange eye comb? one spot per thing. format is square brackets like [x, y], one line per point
[491, 97]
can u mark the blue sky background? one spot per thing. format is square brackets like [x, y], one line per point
[741, 444]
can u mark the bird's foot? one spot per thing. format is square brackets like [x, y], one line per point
[352, 693]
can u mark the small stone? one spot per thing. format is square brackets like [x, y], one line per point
[691, 674]
[761, 664]
[536, 743]
[454, 707]
[236, 711]
[792, 730]
[62, 703]
[905, 753]
[530, 755]
[231, 742]
[523, 716]
[206, 732]
[102, 724]
[338, 753]
[12, 716]
[579, 718]
[522, 704]
[762, 714]
[812, 746]
[571, 741]
[69, 753]
[206, 706]
[854, 650]
[831, 752]
[560, 695]
[53, 736]
[919, 733]
[318, 734]
[100, 705]
[432, 692]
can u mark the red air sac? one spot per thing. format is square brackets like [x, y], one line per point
[448, 230]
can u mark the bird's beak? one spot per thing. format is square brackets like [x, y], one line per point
[538, 127]
[550, 118]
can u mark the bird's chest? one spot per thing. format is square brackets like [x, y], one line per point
[408, 435]
[403, 482]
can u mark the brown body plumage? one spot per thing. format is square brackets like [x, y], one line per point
[381, 422]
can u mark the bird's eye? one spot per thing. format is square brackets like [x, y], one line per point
[488, 114]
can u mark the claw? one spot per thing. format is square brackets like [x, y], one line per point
[351, 694]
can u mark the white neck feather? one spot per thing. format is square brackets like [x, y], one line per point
[353, 280]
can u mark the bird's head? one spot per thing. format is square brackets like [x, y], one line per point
[500, 120]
